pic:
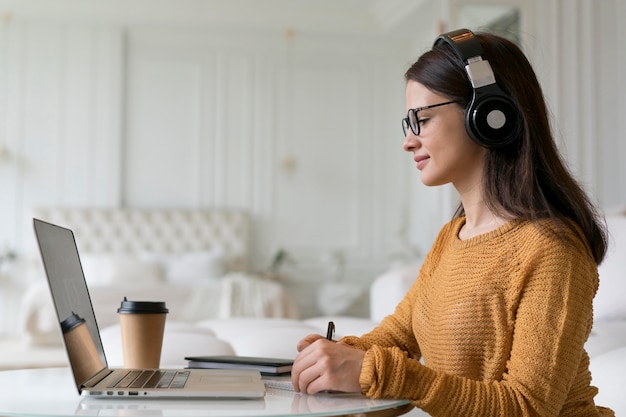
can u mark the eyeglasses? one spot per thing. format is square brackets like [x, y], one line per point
[412, 121]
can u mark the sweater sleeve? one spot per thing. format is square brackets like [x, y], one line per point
[393, 330]
[552, 322]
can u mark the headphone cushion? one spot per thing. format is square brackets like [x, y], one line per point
[492, 121]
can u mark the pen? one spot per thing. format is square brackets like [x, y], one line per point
[331, 331]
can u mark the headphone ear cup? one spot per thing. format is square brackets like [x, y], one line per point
[492, 121]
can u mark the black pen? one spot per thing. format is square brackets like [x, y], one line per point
[331, 331]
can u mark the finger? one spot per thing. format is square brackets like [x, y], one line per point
[315, 365]
[306, 378]
[304, 360]
[336, 367]
[306, 341]
[309, 363]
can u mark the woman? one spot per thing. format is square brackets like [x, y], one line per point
[496, 322]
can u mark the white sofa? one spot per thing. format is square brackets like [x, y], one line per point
[607, 342]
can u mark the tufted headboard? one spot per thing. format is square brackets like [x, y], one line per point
[133, 230]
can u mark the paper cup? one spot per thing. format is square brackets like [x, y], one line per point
[142, 324]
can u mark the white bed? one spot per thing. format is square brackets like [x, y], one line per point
[195, 260]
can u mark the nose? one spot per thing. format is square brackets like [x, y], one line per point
[411, 142]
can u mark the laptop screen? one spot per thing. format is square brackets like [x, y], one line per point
[71, 300]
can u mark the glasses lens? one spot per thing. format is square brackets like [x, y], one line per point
[405, 126]
[415, 127]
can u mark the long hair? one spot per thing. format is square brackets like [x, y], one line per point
[528, 178]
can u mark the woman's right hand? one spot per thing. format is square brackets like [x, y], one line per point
[326, 365]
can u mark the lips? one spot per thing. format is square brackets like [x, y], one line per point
[421, 160]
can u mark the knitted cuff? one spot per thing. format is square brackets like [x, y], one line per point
[383, 372]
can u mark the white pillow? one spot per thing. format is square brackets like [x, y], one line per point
[129, 270]
[108, 269]
[190, 266]
[609, 302]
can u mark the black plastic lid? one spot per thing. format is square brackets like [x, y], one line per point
[73, 321]
[142, 307]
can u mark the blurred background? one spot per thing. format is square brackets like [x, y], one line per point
[287, 109]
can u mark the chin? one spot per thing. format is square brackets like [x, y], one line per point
[429, 182]
[432, 182]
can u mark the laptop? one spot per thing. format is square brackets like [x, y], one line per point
[83, 345]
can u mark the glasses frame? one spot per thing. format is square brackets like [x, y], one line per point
[406, 122]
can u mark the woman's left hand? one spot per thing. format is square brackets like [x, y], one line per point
[324, 365]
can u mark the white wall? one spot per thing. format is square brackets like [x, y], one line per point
[579, 50]
[302, 131]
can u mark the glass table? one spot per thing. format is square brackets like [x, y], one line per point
[51, 392]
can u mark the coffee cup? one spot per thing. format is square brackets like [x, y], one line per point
[82, 352]
[142, 324]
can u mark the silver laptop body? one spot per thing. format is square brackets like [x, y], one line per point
[92, 375]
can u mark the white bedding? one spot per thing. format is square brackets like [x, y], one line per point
[193, 259]
[234, 295]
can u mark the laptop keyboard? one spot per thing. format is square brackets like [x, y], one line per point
[151, 379]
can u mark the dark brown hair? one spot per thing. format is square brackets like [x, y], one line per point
[527, 179]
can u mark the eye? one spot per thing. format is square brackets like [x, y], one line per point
[423, 120]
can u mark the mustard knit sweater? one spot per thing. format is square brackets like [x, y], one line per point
[499, 322]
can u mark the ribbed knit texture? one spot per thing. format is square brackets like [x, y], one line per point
[499, 322]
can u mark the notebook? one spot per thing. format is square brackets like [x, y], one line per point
[267, 366]
[83, 344]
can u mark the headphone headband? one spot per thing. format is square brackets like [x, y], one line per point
[463, 41]
[467, 47]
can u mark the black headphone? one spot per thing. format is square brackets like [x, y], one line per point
[491, 118]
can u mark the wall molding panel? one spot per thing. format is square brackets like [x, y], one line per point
[61, 121]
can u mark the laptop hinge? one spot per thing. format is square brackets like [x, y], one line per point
[94, 380]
